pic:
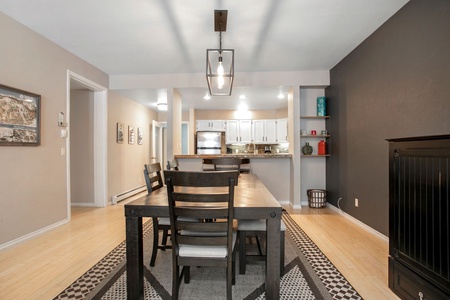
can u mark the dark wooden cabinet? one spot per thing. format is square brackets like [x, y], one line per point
[419, 217]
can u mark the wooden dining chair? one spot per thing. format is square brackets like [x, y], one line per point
[207, 164]
[173, 165]
[254, 228]
[227, 164]
[154, 181]
[245, 166]
[199, 196]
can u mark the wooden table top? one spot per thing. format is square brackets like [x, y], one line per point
[252, 200]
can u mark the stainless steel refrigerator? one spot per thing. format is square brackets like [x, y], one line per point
[210, 142]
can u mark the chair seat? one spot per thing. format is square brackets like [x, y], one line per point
[256, 225]
[204, 251]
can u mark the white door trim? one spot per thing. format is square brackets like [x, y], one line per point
[100, 139]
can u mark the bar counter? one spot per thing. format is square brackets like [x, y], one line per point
[274, 170]
[239, 155]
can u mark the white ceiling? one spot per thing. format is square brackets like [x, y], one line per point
[138, 37]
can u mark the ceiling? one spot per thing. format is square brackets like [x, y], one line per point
[141, 37]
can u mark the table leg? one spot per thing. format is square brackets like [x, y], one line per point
[135, 260]
[273, 256]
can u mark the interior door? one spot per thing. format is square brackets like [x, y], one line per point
[157, 142]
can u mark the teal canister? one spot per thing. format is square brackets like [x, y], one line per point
[321, 106]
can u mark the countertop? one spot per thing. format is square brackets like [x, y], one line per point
[239, 155]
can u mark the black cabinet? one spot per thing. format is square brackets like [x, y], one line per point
[419, 214]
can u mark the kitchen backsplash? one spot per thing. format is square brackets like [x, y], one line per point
[261, 148]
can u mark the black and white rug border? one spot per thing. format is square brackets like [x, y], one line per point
[335, 283]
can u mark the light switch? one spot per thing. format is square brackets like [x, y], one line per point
[63, 151]
[63, 133]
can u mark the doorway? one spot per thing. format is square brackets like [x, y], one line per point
[99, 145]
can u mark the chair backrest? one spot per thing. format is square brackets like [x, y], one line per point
[227, 164]
[153, 177]
[196, 196]
[173, 165]
[207, 164]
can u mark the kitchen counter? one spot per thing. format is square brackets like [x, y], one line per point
[274, 170]
[239, 155]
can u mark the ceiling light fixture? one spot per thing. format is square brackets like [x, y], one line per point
[162, 106]
[207, 96]
[220, 62]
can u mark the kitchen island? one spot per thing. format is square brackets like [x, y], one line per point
[274, 170]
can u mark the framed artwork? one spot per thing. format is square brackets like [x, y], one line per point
[20, 118]
[119, 133]
[130, 135]
[140, 135]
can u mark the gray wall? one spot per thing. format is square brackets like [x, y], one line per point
[395, 84]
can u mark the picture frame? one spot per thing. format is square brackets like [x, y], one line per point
[140, 135]
[120, 133]
[20, 117]
[130, 135]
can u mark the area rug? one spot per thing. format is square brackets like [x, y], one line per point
[308, 274]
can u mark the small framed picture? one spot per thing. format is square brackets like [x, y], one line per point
[120, 133]
[130, 135]
[140, 135]
[20, 117]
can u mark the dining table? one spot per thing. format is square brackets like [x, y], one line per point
[252, 200]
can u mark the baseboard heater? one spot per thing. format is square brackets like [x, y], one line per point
[127, 194]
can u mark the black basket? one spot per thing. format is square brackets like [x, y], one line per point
[317, 198]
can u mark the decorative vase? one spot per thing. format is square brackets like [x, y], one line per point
[321, 106]
[307, 149]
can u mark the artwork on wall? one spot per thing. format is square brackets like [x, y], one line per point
[19, 117]
[119, 133]
[140, 135]
[130, 135]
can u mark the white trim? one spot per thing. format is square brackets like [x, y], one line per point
[359, 223]
[82, 204]
[100, 140]
[32, 235]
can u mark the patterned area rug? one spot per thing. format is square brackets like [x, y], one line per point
[308, 274]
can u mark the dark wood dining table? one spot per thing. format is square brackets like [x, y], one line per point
[252, 201]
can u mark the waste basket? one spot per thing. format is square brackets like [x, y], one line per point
[317, 198]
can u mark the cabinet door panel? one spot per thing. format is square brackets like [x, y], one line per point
[245, 131]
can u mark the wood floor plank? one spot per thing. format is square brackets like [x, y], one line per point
[42, 267]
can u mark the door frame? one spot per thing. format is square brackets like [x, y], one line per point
[100, 140]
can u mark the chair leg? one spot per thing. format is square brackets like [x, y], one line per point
[155, 241]
[175, 281]
[233, 267]
[242, 252]
[229, 282]
[282, 253]
[164, 239]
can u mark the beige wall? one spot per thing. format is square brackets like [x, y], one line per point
[126, 161]
[82, 147]
[33, 193]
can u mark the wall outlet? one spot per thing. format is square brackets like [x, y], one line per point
[356, 202]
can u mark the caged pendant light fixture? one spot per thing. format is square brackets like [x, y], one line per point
[220, 62]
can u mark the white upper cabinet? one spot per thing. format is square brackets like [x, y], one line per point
[211, 125]
[265, 131]
[282, 130]
[239, 131]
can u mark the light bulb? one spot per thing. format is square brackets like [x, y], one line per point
[220, 71]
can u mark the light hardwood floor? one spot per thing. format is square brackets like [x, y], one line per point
[42, 267]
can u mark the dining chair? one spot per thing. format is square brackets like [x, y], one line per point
[249, 228]
[207, 164]
[173, 165]
[227, 164]
[154, 181]
[199, 196]
[245, 166]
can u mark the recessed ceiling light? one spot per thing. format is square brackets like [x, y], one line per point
[281, 96]
[242, 97]
[207, 96]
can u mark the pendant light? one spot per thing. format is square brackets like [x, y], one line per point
[220, 62]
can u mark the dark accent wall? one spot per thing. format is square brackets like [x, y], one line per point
[394, 84]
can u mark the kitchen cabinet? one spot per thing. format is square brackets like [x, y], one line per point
[264, 131]
[282, 130]
[211, 125]
[238, 131]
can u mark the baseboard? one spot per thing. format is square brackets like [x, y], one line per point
[32, 235]
[359, 223]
